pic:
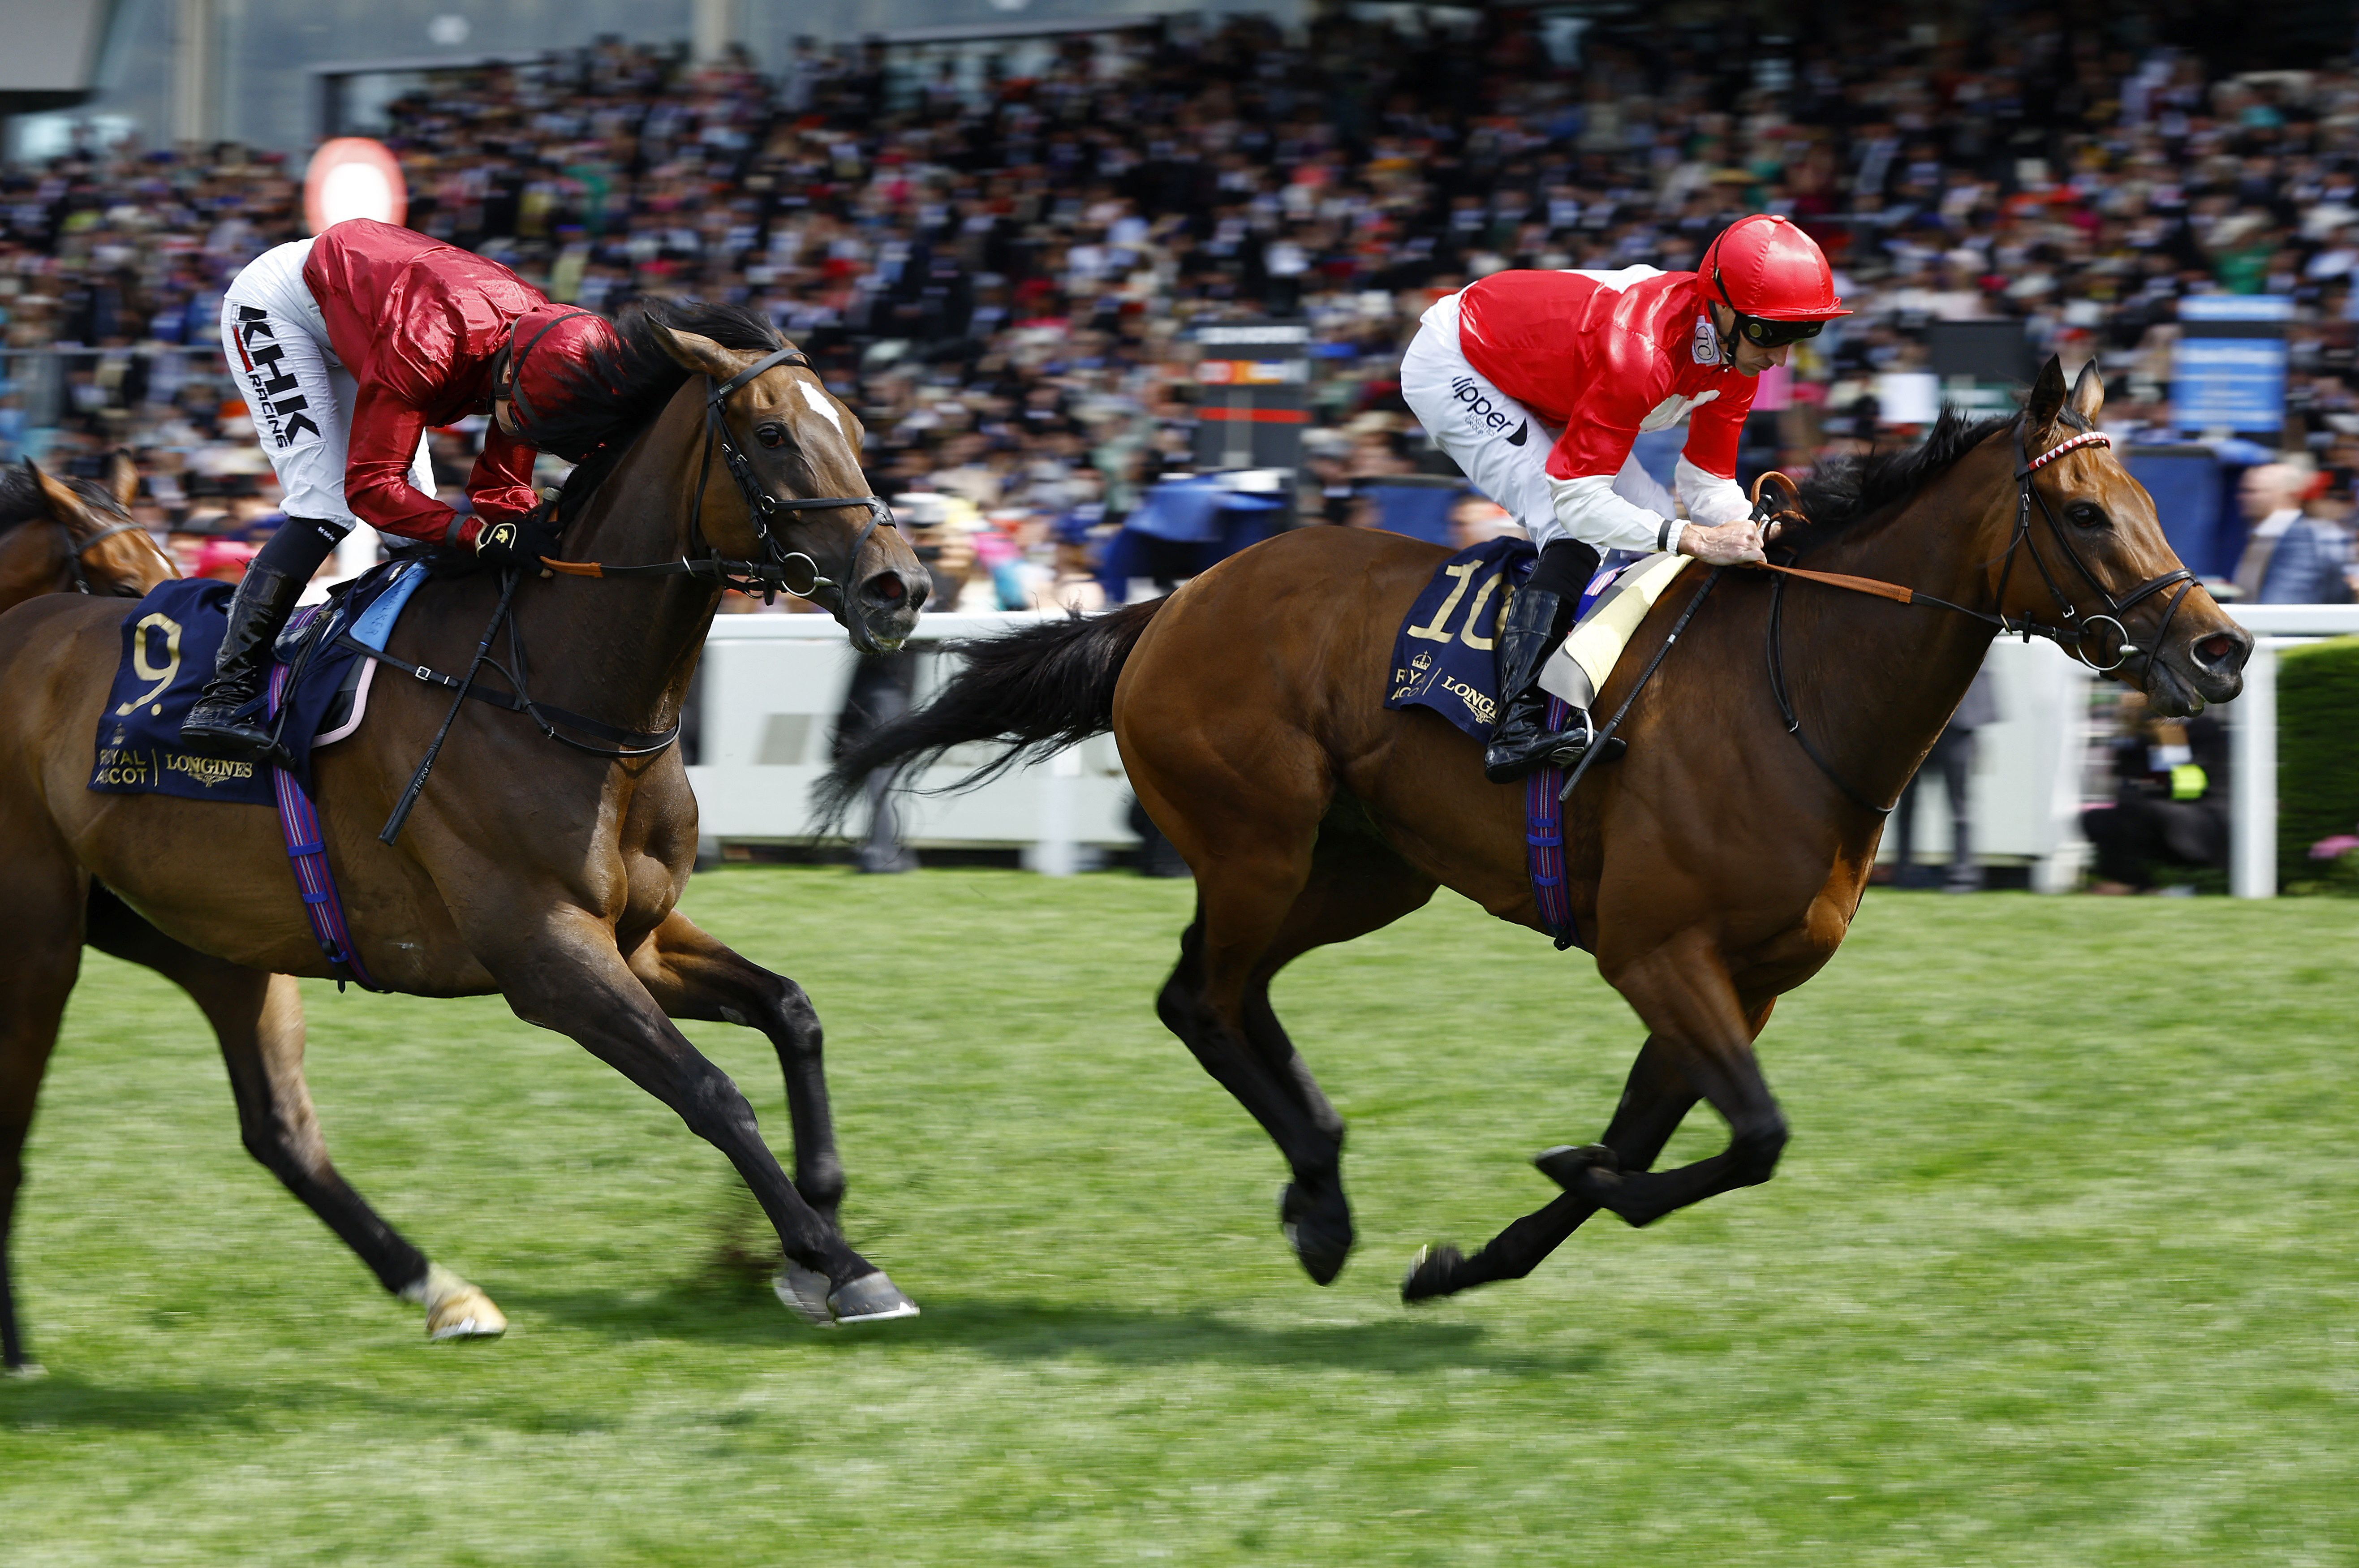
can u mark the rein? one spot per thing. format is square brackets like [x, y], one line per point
[768, 577]
[2071, 634]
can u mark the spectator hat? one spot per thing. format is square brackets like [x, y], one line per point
[548, 349]
[1767, 269]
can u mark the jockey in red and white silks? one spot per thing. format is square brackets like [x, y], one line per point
[1537, 384]
[347, 348]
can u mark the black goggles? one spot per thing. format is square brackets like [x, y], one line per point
[1776, 334]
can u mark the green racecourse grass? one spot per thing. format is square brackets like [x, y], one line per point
[2059, 1268]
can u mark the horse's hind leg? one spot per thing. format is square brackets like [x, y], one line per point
[691, 975]
[1356, 886]
[258, 1019]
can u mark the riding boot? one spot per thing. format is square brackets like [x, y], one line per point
[1520, 739]
[260, 607]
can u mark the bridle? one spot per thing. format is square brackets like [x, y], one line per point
[770, 575]
[76, 550]
[2071, 630]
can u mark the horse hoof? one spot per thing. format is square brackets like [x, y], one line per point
[1587, 1169]
[872, 1298]
[455, 1309]
[1319, 1244]
[1431, 1273]
[27, 1369]
[803, 1291]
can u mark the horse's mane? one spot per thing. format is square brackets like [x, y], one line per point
[1841, 495]
[21, 499]
[615, 393]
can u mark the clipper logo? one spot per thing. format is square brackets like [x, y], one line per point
[280, 416]
[1486, 414]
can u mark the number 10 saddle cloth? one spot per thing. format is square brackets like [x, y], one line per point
[1444, 655]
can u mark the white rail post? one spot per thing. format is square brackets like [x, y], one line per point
[2253, 824]
[1054, 853]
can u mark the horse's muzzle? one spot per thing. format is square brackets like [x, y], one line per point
[882, 611]
[2206, 667]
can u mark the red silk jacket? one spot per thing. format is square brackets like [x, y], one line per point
[417, 323]
[1605, 354]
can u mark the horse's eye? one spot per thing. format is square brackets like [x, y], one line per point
[770, 435]
[2085, 514]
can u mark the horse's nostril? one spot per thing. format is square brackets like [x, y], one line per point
[2220, 650]
[886, 588]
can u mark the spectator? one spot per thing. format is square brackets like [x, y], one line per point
[2289, 557]
[2169, 808]
[1953, 754]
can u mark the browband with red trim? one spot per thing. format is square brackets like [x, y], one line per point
[2094, 438]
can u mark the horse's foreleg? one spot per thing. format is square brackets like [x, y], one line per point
[1654, 1100]
[692, 975]
[258, 1019]
[1705, 1033]
[40, 954]
[569, 977]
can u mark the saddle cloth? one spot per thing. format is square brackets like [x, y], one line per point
[1444, 655]
[169, 639]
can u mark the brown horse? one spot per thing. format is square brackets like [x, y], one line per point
[90, 547]
[548, 873]
[1714, 869]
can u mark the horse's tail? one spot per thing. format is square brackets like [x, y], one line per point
[1030, 691]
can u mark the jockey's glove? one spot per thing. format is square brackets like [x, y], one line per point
[519, 541]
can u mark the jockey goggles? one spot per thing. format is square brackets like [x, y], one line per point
[1764, 333]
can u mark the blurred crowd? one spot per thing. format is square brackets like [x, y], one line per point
[999, 271]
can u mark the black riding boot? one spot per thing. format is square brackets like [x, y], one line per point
[264, 598]
[1520, 740]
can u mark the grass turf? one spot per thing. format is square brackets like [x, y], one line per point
[2058, 1267]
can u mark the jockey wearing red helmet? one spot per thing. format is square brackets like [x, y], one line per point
[1592, 359]
[347, 349]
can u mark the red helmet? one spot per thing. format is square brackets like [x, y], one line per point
[548, 347]
[1766, 267]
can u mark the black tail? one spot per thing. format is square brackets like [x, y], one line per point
[1033, 691]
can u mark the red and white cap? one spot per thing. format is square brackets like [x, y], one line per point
[1767, 267]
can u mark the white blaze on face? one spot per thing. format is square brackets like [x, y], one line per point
[821, 403]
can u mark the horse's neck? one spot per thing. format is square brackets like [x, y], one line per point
[32, 560]
[1876, 681]
[622, 650]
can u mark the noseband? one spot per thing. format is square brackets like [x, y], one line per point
[75, 552]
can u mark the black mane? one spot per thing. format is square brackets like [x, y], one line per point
[1841, 496]
[21, 500]
[614, 395]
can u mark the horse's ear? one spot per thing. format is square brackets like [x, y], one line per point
[2047, 396]
[693, 351]
[64, 505]
[2088, 392]
[127, 481]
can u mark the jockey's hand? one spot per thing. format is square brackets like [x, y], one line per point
[1730, 544]
[519, 541]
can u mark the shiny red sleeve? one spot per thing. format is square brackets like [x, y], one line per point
[385, 432]
[1713, 429]
[500, 486]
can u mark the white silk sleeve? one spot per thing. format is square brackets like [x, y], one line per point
[1594, 515]
[1709, 499]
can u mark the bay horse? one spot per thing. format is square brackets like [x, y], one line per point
[547, 873]
[1714, 868]
[91, 545]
